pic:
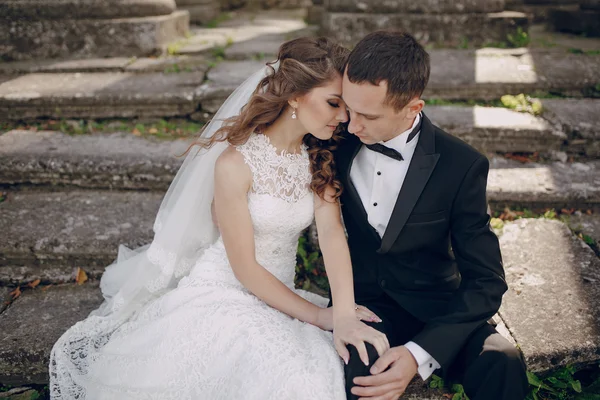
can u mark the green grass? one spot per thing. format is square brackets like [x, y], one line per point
[586, 52]
[219, 19]
[518, 39]
[310, 270]
[163, 129]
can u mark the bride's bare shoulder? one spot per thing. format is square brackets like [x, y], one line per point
[232, 167]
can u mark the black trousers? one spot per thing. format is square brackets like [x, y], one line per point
[488, 366]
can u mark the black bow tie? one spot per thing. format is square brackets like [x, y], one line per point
[395, 154]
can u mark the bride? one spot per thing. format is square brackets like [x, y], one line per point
[207, 313]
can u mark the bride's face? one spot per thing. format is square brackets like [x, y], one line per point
[322, 109]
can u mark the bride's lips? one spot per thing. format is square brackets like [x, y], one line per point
[332, 127]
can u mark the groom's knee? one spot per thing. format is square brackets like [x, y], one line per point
[356, 367]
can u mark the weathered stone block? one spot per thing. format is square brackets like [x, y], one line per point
[408, 6]
[539, 13]
[31, 326]
[114, 161]
[201, 11]
[551, 307]
[579, 22]
[497, 129]
[579, 119]
[315, 14]
[100, 95]
[201, 14]
[84, 9]
[63, 231]
[444, 30]
[228, 5]
[26, 39]
[553, 2]
[588, 225]
[537, 186]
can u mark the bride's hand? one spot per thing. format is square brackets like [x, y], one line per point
[325, 317]
[350, 331]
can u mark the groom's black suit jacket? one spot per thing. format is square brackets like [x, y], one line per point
[438, 258]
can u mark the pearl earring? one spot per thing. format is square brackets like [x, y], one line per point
[294, 116]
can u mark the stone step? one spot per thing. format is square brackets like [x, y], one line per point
[456, 75]
[580, 22]
[123, 161]
[579, 120]
[28, 39]
[108, 161]
[165, 64]
[201, 11]
[539, 13]
[99, 95]
[545, 39]
[544, 185]
[589, 228]
[485, 74]
[551, 307]
[32, 324]
[421, 7]
[48, 235]
[246, 27]
[438, 30]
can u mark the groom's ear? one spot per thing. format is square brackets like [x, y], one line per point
[414, 107]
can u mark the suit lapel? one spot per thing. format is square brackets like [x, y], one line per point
[421, 166]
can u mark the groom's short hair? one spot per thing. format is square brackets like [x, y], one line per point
[394, 57]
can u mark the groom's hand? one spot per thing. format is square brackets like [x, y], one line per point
[391, 374]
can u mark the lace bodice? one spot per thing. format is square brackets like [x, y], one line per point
[280, 204]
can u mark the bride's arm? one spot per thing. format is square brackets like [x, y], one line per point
[336, 255]
[233, 179]
[332, 241]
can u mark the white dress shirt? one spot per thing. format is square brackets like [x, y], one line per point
[378, 180]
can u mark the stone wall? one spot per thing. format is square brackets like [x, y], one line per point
[201, 11]
[439, 23]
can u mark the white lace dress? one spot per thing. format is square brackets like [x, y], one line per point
[210, 338]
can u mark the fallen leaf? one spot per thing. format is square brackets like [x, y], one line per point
[153, 131]
[136, 132]
[34, 283]
[81, 276]
[46, 287]
[15, 293]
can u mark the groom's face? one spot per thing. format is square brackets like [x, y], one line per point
[371, 119]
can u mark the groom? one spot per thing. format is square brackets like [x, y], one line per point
[424, 257]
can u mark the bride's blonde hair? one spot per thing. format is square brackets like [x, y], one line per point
[304, 64]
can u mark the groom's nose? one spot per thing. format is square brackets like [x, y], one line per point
[354, 126]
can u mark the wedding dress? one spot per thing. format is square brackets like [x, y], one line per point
[210, 338]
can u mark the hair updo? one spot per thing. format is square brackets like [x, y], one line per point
[304, 64]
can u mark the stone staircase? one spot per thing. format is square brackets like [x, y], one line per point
[68, 200]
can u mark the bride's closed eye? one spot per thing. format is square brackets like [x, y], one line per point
[333, 104]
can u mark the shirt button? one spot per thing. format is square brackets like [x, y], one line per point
[382, 283]
[378, 172]
[374, 204]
